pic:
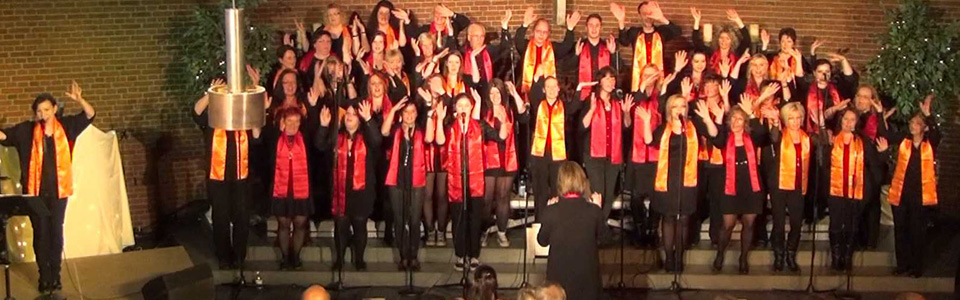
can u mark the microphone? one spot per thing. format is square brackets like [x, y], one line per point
[618, 93]
[463, 122]
[683, 123]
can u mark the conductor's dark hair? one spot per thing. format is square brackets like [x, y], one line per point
[41, 98]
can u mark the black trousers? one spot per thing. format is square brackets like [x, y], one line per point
[48, 239]
[640, 182]
[407, 207]
[714, 196]
[783, 203]
[909, 228]
[229, 202]
[870, 220]
[356, 238]
[466, 232]
[603, 177]
[544, 175]
[845, 214]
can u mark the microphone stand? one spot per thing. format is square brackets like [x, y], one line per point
[410, 290]
[679, 245]
[464, 212]
[511, 74]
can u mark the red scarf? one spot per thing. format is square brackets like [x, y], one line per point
[716, 57]
[495, 159]
[418, 163]
[487, 71]
[586, 71]
[815, 104]
[295, 154]
[730, 157]
[871, 126]
[475, 164]
[357, 151]
[600, 147]
[640, 152]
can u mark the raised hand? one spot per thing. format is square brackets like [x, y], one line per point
[725, 66]
[926, 104]
[313, 95]
[764, 38]
[816, 44]
[440, 110]
[667, 81]
[365, 111]
[680, 61]
[644, 114]
[299, 24]
[889, 113]
[553, 201]
[287, 39]
[657, 13]
[686, 86]
[715, 109]
[746, 103]
[725, 88]
[611, 44]
[579, 47]
[882, 144]
[416, 46]
[618, 12]
[427, 97]
[445, 11]
[745, 57]
[216, 82]
[267, 101]
[696, 17]
[254, 74]
[74, 92]
[877, 105]
[505, 22]
[399, 105]
[325, 117]
[583, 85]
[734, 17]
[500, 113]
[769, 91]
[703, 111]
[528, 16]
[627, 103]
[573, 19]
[402, 15]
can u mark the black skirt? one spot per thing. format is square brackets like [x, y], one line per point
[289, 207]
[746, 201]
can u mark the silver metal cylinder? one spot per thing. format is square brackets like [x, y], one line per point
[233, 27]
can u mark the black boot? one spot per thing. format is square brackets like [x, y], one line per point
[848, 257]
[791, 260]
[670, 261]
[744, 264]
[679, 260]
[778, 260]
[836, 254]
[718, 262]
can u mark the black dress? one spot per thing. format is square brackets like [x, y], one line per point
[573, 227]
[746, 201]
[358, 204]
[666, 203]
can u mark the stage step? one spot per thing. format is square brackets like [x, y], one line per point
[865, 279]
[701, 254]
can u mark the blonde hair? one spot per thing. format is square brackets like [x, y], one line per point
[427, 37]
[393, 54]
[570, 178]
[528, 293]
[756, 57]
[669, 104]
[792, 108]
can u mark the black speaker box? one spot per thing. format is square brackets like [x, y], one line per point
[194, 283]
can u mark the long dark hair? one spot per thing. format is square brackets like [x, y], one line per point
[279, 97]
[505, 99]
[372, 23]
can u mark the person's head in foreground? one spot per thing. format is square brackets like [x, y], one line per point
[571, 179]
[316, 292]
[551, 291]
[485, 283]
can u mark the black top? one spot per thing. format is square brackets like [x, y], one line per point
[628, 36]
[573, 228]
[560, 49]
[20, 136]
[459, 22]
[358, 203]
[699, 45]
[230, 166]
[571, 108]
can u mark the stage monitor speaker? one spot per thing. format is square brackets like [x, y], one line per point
[192, 283]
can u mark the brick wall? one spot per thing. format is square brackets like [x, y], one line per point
[121, 52]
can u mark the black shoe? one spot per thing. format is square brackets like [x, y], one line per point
[360, 265]
[296, 263]
[56, 286]
[414, 265]
[284, 264]
[836, 257]
[915, 273]
[901, 271]
[718, 262]
[402, 265]
[227, 266]
[778, 260]
[791, 260]
[44, 287]
[670, 262]
[744, 266]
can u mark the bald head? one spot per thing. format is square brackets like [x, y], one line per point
[476, 35]
[552, 291]
[316, 292]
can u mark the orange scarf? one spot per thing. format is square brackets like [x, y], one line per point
[550, 119]
[391, 37]
[689, 165]
[640, 57]
[455, 88]
[788, 162]
[547, 67]
[928, 178]
[853, 168]
[218, 159]
[64, 161]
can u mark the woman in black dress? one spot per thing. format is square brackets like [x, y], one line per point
[573, 226]
[356, 146]
[292, 203]
[675, 183]
[741, 195]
